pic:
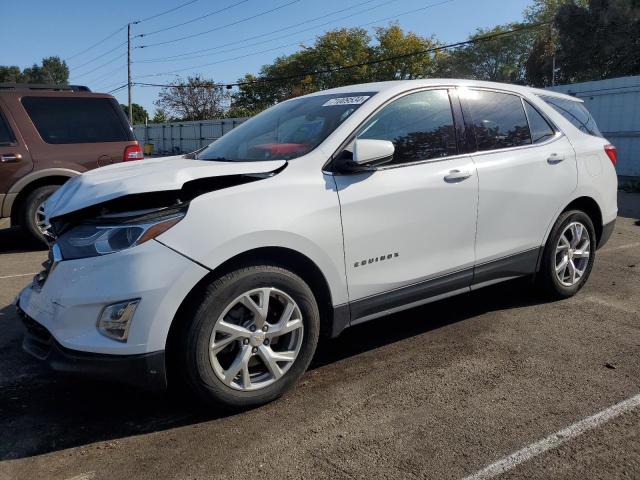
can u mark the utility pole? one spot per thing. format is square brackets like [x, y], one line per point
[129, 71]
[553, 71]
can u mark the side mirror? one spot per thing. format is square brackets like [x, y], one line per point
[370, 153]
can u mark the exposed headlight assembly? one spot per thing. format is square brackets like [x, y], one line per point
[104, 237]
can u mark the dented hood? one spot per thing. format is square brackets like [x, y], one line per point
[143, 176]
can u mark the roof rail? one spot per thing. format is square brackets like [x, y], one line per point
[43, 86]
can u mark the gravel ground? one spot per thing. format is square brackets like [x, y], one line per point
[439, 391]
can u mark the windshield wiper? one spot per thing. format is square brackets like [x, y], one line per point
[216, 159]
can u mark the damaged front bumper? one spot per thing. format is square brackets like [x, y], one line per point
[146, 370]
[62, 310]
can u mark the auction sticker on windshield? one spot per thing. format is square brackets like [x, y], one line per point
[346, 101]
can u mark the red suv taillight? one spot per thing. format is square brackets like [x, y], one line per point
[612, 153]
[133, 152]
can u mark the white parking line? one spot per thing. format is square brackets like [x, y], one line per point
[556, 439]
[17, 275]
[84, 476]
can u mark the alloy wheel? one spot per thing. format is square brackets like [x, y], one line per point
[572, 254]
[256, 339]
[39, 219]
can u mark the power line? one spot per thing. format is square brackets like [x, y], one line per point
[101, 66]
[103, 76]
[164, 13]
[286, 45]
[217, 62]
[362, 64]
[99, 56]
[265, 12]
[186, 54]
[108, 37]
[191, 21]
[119, 88]
[97, 43]
[416, 10]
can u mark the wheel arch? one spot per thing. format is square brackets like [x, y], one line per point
[589, 206]
[283, 257]
[21, 189]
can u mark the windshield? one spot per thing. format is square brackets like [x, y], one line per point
[287, 130]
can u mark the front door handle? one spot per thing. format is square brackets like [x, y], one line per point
[10, 158]
[457, 175]
[555, 158]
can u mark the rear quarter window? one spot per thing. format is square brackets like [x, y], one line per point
[576, 113]
[64, 120]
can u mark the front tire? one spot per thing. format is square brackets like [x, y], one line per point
[251, 338]
[568, 255]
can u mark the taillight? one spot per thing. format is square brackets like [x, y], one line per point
[133, 152]
[612, 153]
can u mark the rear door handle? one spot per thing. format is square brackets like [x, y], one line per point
[555, 158]
[457, 175]
[10, 158]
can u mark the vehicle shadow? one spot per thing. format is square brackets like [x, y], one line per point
[41, 412]
[14, 240]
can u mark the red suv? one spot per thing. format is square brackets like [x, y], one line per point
[49, 134]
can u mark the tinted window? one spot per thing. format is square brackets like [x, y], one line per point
[6, 137]
[498, 119]
[576, 113]
[77, 120]
[287, 130]
[420, 125]
[540, 128]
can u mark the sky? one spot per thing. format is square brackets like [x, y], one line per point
[238, 36]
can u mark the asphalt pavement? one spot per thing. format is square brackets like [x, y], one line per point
[498, 381]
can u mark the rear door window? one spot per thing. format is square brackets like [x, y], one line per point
[576, 113]
[540, 128]
[64, 120]
[420, 126]
[498, 119]
[6, 136]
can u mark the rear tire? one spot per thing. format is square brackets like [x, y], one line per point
[568, 255]
[31, 215]
[228, 332]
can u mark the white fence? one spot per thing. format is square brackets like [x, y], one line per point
[183, 137]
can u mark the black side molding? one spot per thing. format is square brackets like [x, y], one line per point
[410, 294]
[517, 265]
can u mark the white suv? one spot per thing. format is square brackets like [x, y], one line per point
[222, 270]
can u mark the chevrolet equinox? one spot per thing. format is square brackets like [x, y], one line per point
[221, 271]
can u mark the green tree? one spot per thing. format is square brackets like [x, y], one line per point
[598, 41]
[544, 41]
[394, 42]
[160, 116]
[499, 59]
[139, 114]
[51, 70]
[10, 74]
[339, 57]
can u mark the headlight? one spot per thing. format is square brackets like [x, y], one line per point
[93, 239]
